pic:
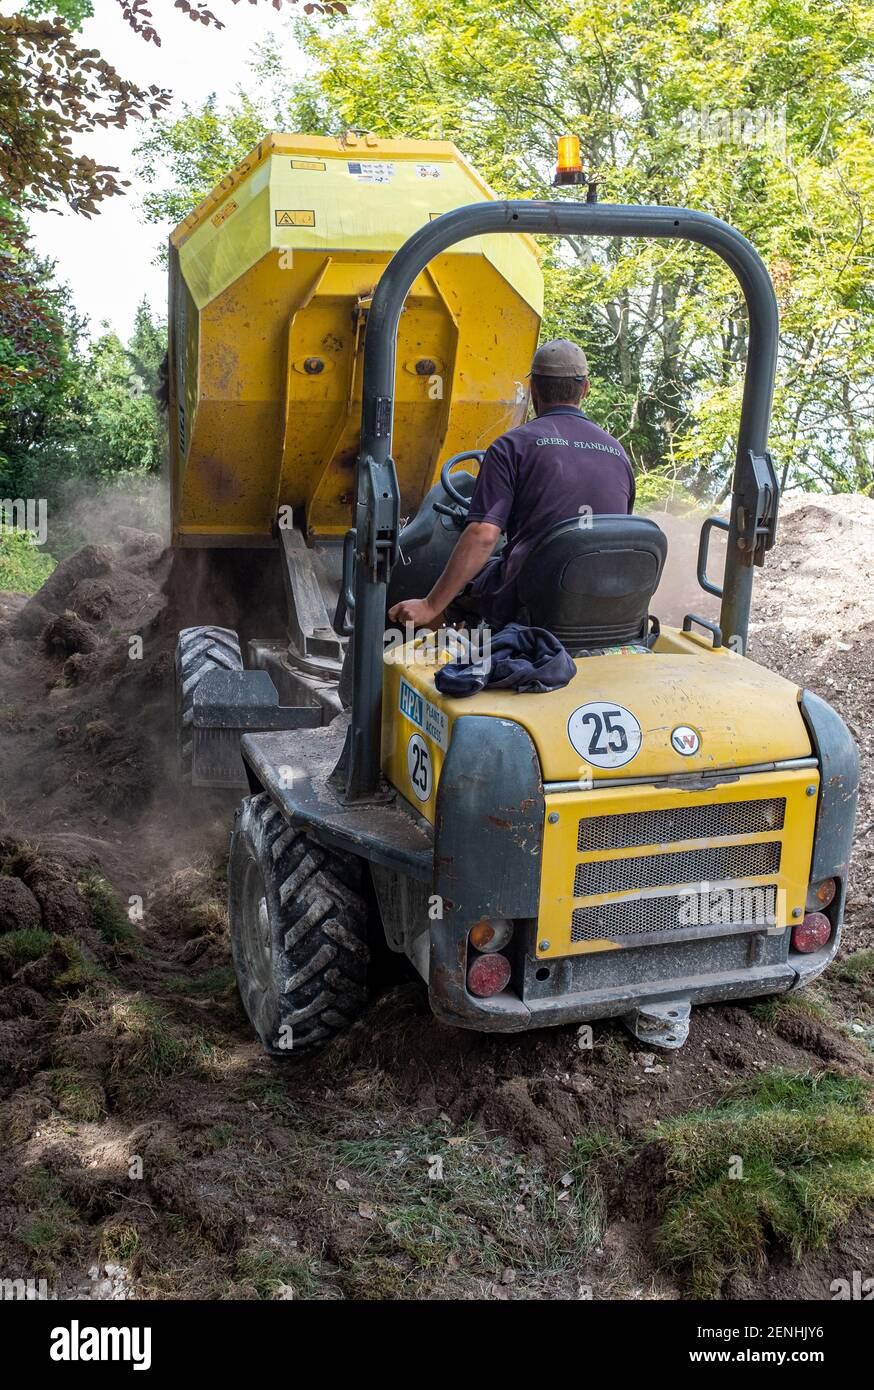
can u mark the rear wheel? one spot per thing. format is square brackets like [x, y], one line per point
[298, 922]
[199, 650]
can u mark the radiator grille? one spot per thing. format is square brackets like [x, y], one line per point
[681, 866]
[675, 912]
[638, 828]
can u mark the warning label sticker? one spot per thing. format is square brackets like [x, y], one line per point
[226, 211]
[294, 217]
[317, 165]
[428, 171]
[372, 171]
[427, 717]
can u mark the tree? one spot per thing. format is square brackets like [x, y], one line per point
[38, 372]
[53, 91]
[91, 423]
[120, 428]
[50, 90]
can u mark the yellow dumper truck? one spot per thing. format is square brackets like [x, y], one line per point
[351, 321]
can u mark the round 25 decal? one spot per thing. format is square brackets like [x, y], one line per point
[420, 769]
[604, 734]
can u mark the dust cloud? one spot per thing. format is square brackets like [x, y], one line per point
[679, 592]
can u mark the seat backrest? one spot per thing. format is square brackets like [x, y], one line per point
[590, 580]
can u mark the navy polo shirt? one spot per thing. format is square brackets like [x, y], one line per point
[535, 476]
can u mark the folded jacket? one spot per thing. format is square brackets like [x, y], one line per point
[527, 659]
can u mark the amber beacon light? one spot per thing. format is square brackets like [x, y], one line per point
[569, 167]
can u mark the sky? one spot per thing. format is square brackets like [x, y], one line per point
[108, 260]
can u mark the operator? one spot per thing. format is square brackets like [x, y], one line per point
[558, 465]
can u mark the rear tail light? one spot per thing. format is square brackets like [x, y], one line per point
[819, 895]
[811, 933]
[488, 975]
[491, 934]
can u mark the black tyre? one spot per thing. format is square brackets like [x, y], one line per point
[198, 650]
[298, 931]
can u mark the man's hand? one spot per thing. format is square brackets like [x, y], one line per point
[417, 611]
[475, 545]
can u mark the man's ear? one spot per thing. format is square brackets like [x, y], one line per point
[585, 389]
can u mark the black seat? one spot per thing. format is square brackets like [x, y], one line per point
[591, 584]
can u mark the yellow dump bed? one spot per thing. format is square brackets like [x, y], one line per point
[271, 278]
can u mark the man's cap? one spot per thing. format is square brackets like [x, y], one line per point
[561, 357]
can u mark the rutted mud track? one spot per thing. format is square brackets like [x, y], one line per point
[408, 1160]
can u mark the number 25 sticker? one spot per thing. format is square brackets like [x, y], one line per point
[419, 767]
[604, 734]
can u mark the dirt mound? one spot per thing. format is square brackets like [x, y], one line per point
[67, 633]
[19, 909]
[85, 669]
[812, 605]
[818, 583]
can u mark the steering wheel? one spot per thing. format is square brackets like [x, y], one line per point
[448, 486]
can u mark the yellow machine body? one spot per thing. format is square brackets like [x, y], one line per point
[649, 827]
[271, 279]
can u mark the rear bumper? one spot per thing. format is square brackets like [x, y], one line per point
[580, 989]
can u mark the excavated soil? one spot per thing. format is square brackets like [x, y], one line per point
[150, 1149]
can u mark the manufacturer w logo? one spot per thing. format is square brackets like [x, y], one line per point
[685, 740]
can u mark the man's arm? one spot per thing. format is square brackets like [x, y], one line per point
[474, 547]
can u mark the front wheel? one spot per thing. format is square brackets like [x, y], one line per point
[298, 923]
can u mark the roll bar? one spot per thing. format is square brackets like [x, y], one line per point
[377, 505]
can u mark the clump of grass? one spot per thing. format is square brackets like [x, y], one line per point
[857, 969]
[779, 1005]
[107, 914]
[11, 718]
[463, 1203]
[268, 1272]
[191, 903]
[217, 983]
[52, 1225]
[786, 1154]
[151, 1048]
[119, 1242]
[377, 1278]
[78, 1095]
[597, 1145]
[81, 1013]
[23, 568]
[591, 1154]
[219, 1136]
[267, 1094]
[614, 1049]
[805, 1091]
[19, 947]
[80, 973]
